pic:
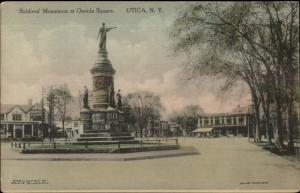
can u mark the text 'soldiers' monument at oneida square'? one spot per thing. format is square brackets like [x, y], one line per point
[104, 120]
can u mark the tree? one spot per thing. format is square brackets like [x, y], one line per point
[192, 110]
[64, 97]
[254, 42]
[187, 118]
[129, 113]
[145, 107]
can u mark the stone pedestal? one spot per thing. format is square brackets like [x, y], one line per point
[86, 119]
[103, 82]
[104, 126]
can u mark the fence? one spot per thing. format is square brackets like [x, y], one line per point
[91, 144]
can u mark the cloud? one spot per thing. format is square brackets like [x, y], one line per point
[57, 56]
[140, 54]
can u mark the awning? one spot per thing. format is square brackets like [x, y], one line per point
[202, 130]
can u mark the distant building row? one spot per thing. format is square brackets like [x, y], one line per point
[21, 121]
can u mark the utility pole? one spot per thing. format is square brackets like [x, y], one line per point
[139, 111]
[51, 113]
[140, 126]
[43, 114]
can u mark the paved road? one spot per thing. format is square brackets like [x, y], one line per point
[223, 163]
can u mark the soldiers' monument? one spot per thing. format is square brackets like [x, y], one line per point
[103, 120]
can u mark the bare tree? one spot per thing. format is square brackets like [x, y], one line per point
[63, 97]
[145, 106]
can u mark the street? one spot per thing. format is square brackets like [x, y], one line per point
[223, 163]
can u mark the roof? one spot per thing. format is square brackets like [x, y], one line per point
[236, 111]
[239, 109]
[5, 108]
[203, 130]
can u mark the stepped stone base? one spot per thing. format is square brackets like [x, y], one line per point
[104, 137]
[134, 141]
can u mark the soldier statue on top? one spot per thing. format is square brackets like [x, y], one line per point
[102, 34]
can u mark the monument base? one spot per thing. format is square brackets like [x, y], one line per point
[104, 126]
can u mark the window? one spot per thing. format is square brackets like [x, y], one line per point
[206, 121]
[241, 120]
[121, 117]
[2, 117]
[75, 124]
[2, 129]
[217, 120]
[17, 117]
[36, 117]
[229, 122]
[156, 124]
[234, 120]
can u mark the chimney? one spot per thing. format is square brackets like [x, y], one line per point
[30, 101]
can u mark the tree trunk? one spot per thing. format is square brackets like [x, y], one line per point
[257, 138]
[268, 128]
[279, 126]
[256, 103]
[266, 110]
[63, 126]
[268, 120]
[290, 127]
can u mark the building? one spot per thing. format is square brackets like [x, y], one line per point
[165, 129]
[175, 129]
[22, 121]
[73, 128]
[153, 128]
[235, 123]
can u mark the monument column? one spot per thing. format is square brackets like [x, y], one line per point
[103, 72]
[103, 82]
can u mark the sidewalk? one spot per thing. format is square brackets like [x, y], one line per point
[294, 159]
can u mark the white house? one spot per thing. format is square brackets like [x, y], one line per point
[19, 121]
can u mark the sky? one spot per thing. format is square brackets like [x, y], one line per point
[42, 49]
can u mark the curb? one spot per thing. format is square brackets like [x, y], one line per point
[122, 157]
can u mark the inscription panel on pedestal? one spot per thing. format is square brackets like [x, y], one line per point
[98, 117]
[102, 82]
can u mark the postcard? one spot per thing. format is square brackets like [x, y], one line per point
[150, 96]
